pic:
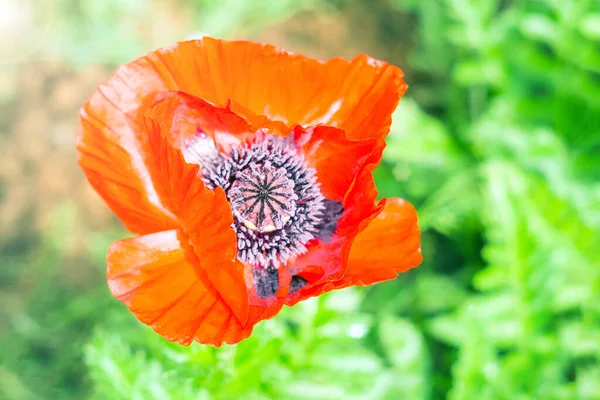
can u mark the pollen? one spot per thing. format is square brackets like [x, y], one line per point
[250, 225]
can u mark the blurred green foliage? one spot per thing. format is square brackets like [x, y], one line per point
[508, 169]
[113, 31]
[317, 350]
[497, 145]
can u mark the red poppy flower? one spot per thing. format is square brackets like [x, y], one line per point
[247, 172]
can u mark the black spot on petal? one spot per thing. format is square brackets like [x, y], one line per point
[266, 280]
[297, 283]
[331, 214]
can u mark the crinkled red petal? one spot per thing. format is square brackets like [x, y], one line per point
[336, 159]
[153, 276]
[203, 214]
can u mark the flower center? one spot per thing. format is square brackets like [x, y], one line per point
[275, 198]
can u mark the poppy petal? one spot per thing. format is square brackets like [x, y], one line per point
[389, 245]
[111, 156]
[336, 159]
[185, 118]
[260, 80]
[204, 215]
[153, 277]
[357, 96]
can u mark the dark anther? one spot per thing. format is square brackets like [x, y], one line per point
[297, 283]
[329, 220]
[266, 280]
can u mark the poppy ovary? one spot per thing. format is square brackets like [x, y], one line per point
[263, 197]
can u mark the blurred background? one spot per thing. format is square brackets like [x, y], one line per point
[497, 143]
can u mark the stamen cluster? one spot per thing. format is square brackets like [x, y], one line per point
[276, 202]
